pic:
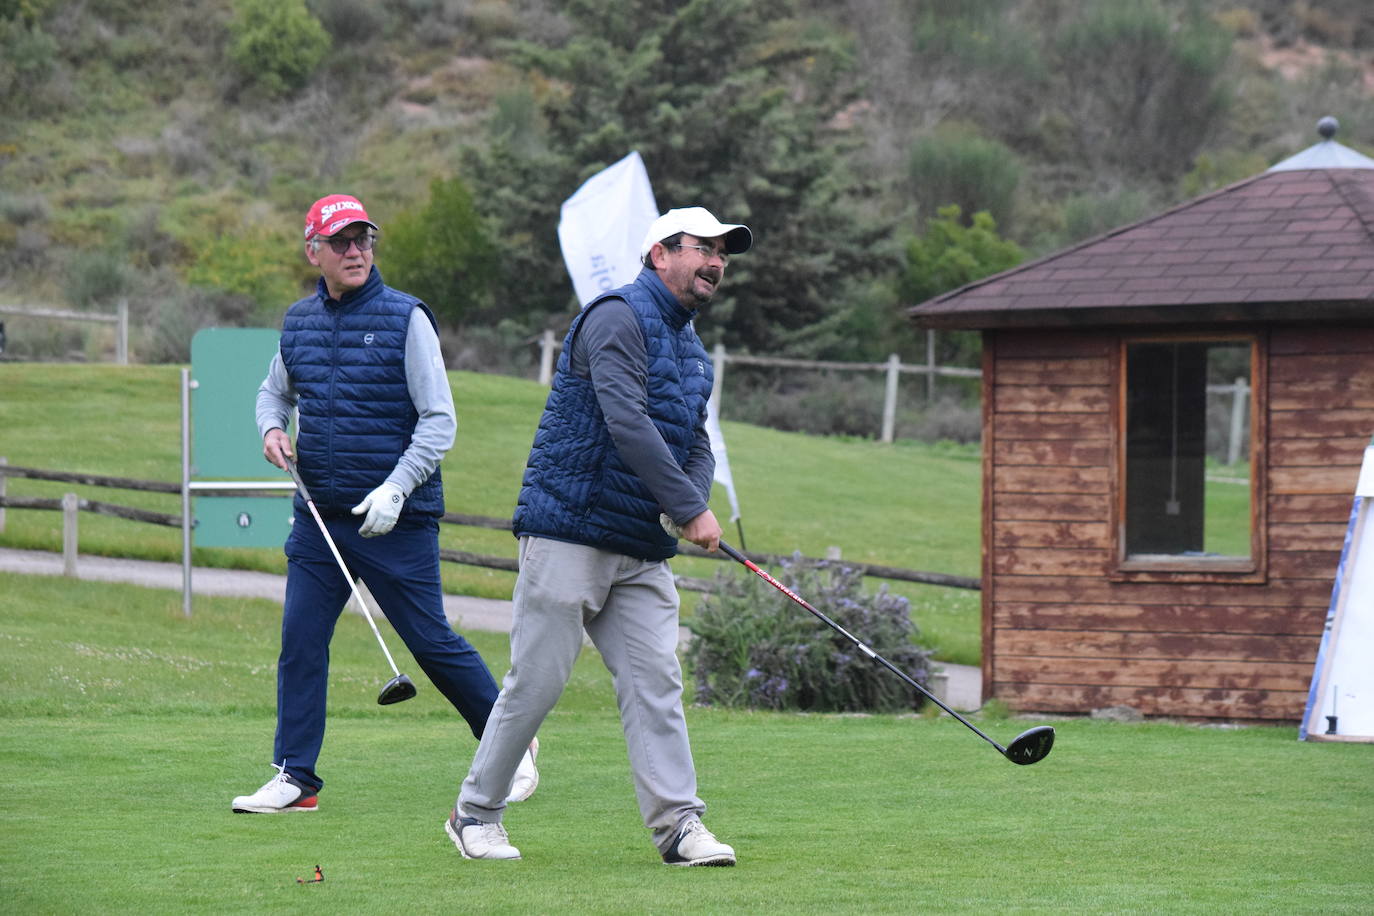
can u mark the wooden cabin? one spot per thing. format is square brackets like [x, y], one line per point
[1121, 566]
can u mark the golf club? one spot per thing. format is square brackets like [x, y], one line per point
[1031, 746]
[399, 687]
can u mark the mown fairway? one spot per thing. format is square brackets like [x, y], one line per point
[128, 729]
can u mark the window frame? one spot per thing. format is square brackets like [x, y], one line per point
[1172, 568]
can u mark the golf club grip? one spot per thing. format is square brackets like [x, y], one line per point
[734, 554]
[296, 476]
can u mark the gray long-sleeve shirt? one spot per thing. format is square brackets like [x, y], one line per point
[427, 382]
[609, 349]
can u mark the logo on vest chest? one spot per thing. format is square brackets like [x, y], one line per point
[368, 338]
[701, 367]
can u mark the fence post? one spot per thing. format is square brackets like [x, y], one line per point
[930, 366]
[546, 358]
[894, 366]
[70, 505]
[3, 461]
[1239, 408]
[122, 333]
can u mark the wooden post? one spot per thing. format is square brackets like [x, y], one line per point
[3, 461]
[122, 333]
[930, 366]
[1239, 409]
[546, 358]
[70, 504]
[894, 365]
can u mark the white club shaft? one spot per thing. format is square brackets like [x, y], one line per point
[353, 585]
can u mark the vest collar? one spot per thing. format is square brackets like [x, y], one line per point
[672, 311]
[370, 288]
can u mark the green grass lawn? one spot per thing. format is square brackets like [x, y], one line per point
[128, 729]
[905, 504]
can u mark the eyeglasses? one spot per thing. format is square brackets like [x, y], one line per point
[365, 241]
[708, 253]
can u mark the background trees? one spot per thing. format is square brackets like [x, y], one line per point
[184, 139]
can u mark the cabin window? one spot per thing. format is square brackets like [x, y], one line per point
[1187, 444]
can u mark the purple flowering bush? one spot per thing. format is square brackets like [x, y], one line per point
[753, 647]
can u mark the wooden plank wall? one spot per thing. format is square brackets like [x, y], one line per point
[1060, 635]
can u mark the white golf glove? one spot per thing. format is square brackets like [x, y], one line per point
[383, 507]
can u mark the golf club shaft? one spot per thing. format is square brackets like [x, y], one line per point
[310, 504]
[762, 574]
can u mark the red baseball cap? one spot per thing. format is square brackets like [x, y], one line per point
[329, 215]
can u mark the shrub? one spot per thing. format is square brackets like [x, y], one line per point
[352, 21]
[752, 647]
[97, 278]
[796, 400]
[951, 254]
[28, 56]
[276, 44]
[1144, 88]
[947, 420]
[442, 254]
[972, 172]
[263, 266]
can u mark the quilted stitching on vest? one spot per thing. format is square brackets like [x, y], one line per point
[347, 361]
[576, 487]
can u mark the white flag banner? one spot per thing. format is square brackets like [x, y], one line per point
[722, 460]
[602, 224]
[600, 230]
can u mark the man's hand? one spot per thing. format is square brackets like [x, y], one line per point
[383, 507]
[704, 531]
[276, 447]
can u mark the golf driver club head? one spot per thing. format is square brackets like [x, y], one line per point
[397, 689]
[1031, 746]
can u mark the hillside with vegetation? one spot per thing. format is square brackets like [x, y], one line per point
[882, 150]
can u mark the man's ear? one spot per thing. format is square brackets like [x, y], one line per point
[310, 255]
[656, 251]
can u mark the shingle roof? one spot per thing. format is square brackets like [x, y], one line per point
[1283, 244]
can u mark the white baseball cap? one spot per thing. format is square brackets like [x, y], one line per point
[696, 221]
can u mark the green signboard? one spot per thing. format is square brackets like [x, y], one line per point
[227, 366]
[242, 521]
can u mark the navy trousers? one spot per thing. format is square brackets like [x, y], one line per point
[401, 569]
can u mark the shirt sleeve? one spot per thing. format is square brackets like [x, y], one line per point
[276, 398]
[427, 381]
[609, 349]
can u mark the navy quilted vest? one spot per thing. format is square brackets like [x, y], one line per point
[576, 487]
[346, 359]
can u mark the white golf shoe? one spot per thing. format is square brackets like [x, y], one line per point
[477, 839]
[695, 845]
[282, 794]
[526, 777]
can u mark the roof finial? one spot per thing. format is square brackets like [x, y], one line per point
[1327, 127]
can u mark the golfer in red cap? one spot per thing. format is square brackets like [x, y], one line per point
[360, 362]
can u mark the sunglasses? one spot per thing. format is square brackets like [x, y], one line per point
[340, 245]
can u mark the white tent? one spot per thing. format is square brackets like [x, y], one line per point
[1340, 703]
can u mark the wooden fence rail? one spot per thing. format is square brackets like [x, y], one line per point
[70, 504]
[892, 366]
[120, 319]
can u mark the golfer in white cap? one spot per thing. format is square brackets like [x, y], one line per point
[622, 439]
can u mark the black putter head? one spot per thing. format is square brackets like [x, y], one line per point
[1031, 746]
[399, 688]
